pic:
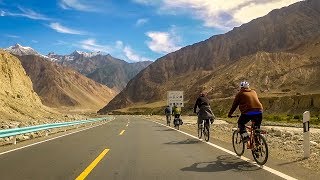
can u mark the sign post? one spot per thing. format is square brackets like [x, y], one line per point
[175, 98]
[306, 134]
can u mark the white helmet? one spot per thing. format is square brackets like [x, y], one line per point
[244, 84]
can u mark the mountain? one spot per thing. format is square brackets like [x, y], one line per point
[280, 52]
[17, 98]
[59, 86]
[19, 50]
[105, 69]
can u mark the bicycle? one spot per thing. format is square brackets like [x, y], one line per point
[177, 122]
[204, 128]
[256, 143]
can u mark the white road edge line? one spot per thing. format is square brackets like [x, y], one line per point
[273, 171]
[52, 138]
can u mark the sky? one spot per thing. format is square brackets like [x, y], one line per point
[132, 30]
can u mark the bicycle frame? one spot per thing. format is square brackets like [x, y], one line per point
[250, 143]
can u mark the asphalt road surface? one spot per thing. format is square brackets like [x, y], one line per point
[128, 147]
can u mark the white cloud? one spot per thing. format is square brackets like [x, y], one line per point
[141, 21]
[223, 14]
[146, 2]
[60, 42]
[163, 42]
[133, 56]
[34, 41]
[92, 45]
[28, 13]
[62, 29]
[12, 36]
[76, 4]
[126, 52]
[119, 44]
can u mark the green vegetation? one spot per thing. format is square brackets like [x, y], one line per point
[289, 118]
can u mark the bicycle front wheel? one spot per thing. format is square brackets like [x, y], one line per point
[206, 132]
[237, 143]
[260, 152]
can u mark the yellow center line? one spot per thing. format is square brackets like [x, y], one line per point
[121, 132]
[86, 172]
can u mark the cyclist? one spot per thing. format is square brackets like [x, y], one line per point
[249, 106]
[176, 112]
[167, 112]
[205, 112]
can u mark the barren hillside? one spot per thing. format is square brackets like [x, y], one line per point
[58, 86]
[18, 100]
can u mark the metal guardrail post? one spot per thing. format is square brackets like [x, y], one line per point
[306, 134]
[14, 139]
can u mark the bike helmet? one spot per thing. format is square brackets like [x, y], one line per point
[244, 84]
[203, 93]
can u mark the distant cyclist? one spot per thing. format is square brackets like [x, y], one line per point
[205, 112]
[249, 106]
[167, 112]
[176, 111]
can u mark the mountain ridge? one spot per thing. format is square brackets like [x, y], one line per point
[285, 30]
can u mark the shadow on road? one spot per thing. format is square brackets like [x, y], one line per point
[165, 130]
[187, 141]
[158, 126]
[298, 160]
[223, 163]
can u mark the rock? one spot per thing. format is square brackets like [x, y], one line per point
[20, 137]
[278, 133]
[288, 134]
[25, 137]
[11, 126]
[32, 135]
[295, 137]
[5, 127]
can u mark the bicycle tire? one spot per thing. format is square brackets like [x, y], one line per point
[199, 131]
[206, 132]
[237, 142]
[263, 148]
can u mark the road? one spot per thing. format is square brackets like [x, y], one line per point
[126, 148]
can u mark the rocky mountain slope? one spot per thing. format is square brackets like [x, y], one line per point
[18, 100]
[59, 86]
[105, 69]
[278, 53]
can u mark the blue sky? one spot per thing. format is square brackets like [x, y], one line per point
[132, 30]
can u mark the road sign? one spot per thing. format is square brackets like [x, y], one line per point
[175, 98]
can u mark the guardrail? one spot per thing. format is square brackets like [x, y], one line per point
[18, 131]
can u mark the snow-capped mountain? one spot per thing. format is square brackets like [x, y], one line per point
[105, 69]
[19, 50]
[86, 54]
[73, 56]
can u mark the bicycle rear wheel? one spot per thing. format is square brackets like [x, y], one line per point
[199, 131]
[237, 143]
[206, 132]
[260, 152]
